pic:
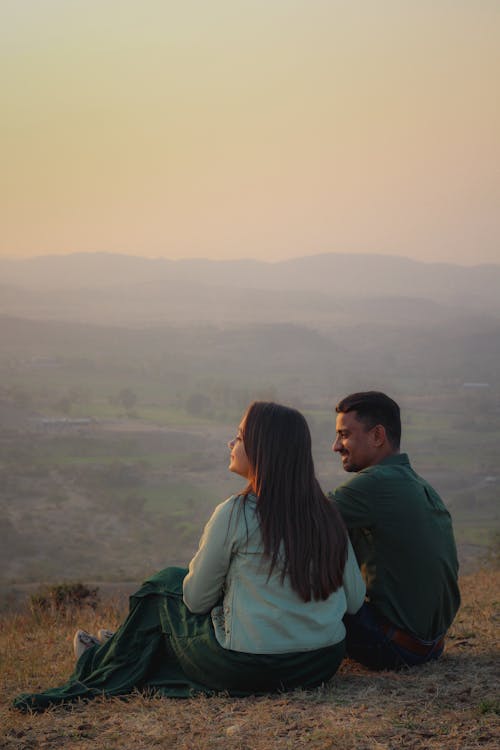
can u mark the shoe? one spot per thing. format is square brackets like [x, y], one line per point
[104, 635]
[82, 641]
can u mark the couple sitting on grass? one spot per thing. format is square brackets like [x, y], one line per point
[274, 597]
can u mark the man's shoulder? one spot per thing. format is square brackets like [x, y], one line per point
[381, 471]
[395, 468]
[357, 485]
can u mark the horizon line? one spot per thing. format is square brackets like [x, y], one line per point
[245, 259]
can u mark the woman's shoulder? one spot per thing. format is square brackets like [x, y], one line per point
[237, 501]
[237, 512]
[228, 506]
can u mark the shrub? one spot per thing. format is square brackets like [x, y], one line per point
[64, 596]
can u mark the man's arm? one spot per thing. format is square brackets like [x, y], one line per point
[355, 500]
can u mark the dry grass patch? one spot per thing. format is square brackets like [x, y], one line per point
[451, 705]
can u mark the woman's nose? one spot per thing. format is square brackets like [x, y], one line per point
[230, 443]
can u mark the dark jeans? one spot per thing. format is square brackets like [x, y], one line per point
[368, 643]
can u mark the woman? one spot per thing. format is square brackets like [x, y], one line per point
[260, 608]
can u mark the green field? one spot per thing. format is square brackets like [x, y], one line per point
[129, 487]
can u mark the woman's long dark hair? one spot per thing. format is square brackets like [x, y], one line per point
[299, 526]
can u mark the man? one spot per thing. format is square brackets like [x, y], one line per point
[403, 539]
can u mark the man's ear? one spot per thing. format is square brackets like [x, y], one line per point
[379, 435]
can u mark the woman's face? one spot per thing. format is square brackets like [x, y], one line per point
[238, 462]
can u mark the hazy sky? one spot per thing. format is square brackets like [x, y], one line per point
[265, 129]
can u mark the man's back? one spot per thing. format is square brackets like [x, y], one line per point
[403, 538]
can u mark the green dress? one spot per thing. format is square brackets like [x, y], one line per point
[164, 648]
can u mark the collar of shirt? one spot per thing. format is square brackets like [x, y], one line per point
[397, 459]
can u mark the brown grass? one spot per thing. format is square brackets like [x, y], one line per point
[452, 704]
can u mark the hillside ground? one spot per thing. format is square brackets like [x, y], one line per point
[449, 705]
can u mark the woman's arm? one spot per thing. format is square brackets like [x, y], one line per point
[354, 585]
[203, 585]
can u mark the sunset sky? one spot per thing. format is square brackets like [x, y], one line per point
[251, 128]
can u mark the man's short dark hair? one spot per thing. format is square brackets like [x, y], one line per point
[372, 408]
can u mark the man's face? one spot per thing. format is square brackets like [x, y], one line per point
[355, 443]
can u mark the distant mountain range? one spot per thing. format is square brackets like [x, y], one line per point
[320, 289]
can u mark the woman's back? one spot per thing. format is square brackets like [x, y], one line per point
[260, 612]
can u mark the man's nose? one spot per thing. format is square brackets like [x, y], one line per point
[336, 446]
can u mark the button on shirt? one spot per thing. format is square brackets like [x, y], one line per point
[251, 612]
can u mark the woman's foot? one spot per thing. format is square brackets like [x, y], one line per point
[104, 635]
[82, 641]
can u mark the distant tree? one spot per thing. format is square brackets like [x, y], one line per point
[127, 398]
[11, 541]
[19, 396]
[198, 404]
[131, 504]
[64, 405]
[79, 394]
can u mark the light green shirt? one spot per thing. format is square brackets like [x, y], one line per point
[256, 614]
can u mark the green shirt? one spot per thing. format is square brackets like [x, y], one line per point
[403, 538]
[258, 613]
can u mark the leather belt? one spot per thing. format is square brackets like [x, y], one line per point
[410, 642]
